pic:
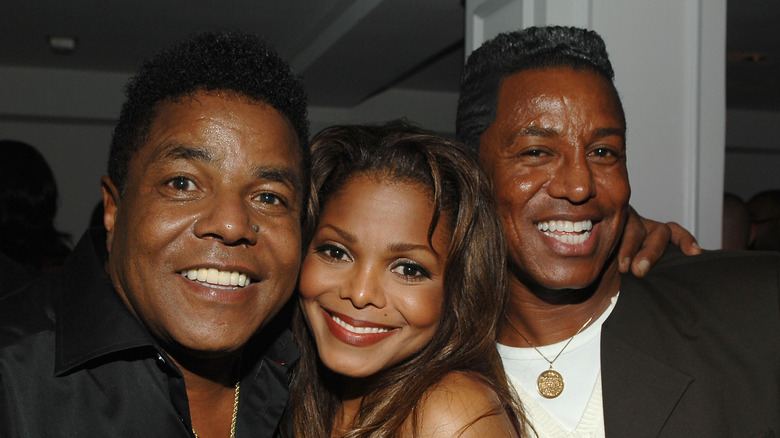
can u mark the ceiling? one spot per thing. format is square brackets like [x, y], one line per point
[346, 50]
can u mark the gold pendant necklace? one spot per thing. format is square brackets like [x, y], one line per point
[235, 413]
[550, 382]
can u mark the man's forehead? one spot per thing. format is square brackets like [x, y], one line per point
[191, 102]
[552, 80]
[209, 126]
[224, 94]
[200, 106]
[553, 90]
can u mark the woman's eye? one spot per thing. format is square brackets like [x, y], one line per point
[181, 183]
[411, 271]
[332, 252]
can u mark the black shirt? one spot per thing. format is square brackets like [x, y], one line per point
[74, 362]
[12, 275]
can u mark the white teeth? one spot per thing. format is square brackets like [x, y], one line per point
[217, 277]
[360, 330]
[224, 277]
[212, 276]
[571, 239]
[574, 233]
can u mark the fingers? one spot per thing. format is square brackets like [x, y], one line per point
[652, 249]
[685, 240]
[633, 236]
[645, 240]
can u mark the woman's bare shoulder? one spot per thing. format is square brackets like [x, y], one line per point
[463, 405]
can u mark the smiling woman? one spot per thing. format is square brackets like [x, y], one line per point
[373, 289]
[400, 291]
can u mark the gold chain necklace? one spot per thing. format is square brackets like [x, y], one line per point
[235, 413]
[550, 382]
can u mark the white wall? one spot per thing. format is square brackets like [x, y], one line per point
[433, 110]
[669, 61]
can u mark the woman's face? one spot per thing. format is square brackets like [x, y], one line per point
[371, 286]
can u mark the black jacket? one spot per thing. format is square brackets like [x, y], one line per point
[75, 362]
[693, 349]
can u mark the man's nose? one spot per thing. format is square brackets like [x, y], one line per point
[227, 217]
[573, 180]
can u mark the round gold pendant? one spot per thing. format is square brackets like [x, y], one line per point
[550, 384]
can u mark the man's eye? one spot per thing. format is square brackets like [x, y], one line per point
[181, 183]
[534, 153]
[270, 198]
[605, 155]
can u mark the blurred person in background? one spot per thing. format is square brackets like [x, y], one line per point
[735, 233]
[764, 210]
[28, 205]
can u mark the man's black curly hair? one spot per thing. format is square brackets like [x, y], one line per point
[513, 52]
[230, 61]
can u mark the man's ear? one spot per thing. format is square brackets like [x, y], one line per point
[110, 206]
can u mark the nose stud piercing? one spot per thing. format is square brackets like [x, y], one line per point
[255, 228]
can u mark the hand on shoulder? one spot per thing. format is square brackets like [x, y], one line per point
[462, 405]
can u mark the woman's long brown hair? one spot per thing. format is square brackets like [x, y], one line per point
[475, 292]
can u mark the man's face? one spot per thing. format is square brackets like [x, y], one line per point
[556, 157]
[182, 242]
